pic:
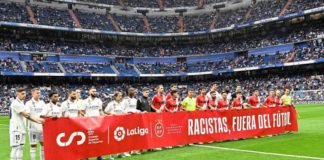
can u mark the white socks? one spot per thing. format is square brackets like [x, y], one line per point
[13, 153]
[17, 152]
[41, 153]
[33, 153]
[20, 152]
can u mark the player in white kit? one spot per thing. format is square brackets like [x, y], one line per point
[52, 110]
[17, 128]
[117, 107]
[70, 107]
[92, 106]
[35, 107]
[131, 101]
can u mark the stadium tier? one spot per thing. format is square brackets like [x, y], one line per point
[78, 18]
[273, 56]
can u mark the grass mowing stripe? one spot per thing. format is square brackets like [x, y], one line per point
[258, 152]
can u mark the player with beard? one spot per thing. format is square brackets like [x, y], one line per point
[237, 102]
[92, 107]
[17, 127]
[173, 87]
[223, 103]
[158, 101]
[202, 100]
[172, 105]
[70, 107]
[131, 101]
[52, 110]
[212, 103]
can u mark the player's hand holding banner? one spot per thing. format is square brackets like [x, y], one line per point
[77, 138]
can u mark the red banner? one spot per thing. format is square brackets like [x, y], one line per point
[76, 138]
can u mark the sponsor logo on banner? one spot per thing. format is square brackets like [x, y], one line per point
[121, 133]
[71, 138]
[158, 128]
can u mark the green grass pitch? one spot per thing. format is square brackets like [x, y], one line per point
[308, 143]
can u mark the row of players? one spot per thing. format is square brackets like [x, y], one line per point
[36, 110]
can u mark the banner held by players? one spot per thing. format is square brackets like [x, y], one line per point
[76, 138]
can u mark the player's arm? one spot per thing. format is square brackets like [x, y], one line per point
[101, 112]
[167, 105]
[152, 105]
[183, 104]
[45, 112]
[177, 108]
[32, 118]
[212, 107]
[82, 111]
[64, 109]
[108, 109]
[197, 105]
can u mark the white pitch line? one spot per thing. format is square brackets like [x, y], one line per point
[258, 152]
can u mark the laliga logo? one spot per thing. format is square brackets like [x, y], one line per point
[74, 134]
[119, 133]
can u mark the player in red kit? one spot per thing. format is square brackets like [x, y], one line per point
[277, 98]
[202, 100]
[212, 102]
[173, 87]
[237, 102]
[172, 105]
[270, 100]
[222, 104]
[158, 101]
[254, 100]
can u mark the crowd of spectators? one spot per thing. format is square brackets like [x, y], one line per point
[297, 83]
[9, 65]
[207, 48]
[159, 24]
[309, 50]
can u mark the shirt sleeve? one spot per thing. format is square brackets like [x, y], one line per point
[18, 108]
[28, 106]
[45, 110]
[138, 105]
[100, 104]
[184, 102]
[108, 108]
[83, 105]
[64, 107]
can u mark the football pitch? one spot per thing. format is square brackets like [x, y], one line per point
[308, 143]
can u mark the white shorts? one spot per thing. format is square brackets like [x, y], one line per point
[17, 138]
[35, 137]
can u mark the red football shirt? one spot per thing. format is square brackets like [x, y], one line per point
[172, 105]
[237, 102]
[158, 101]
[169, 96]
[222, 103]
[201, 101]
[278, 101]
[254, 101]
[269, 102]
[212, 103]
